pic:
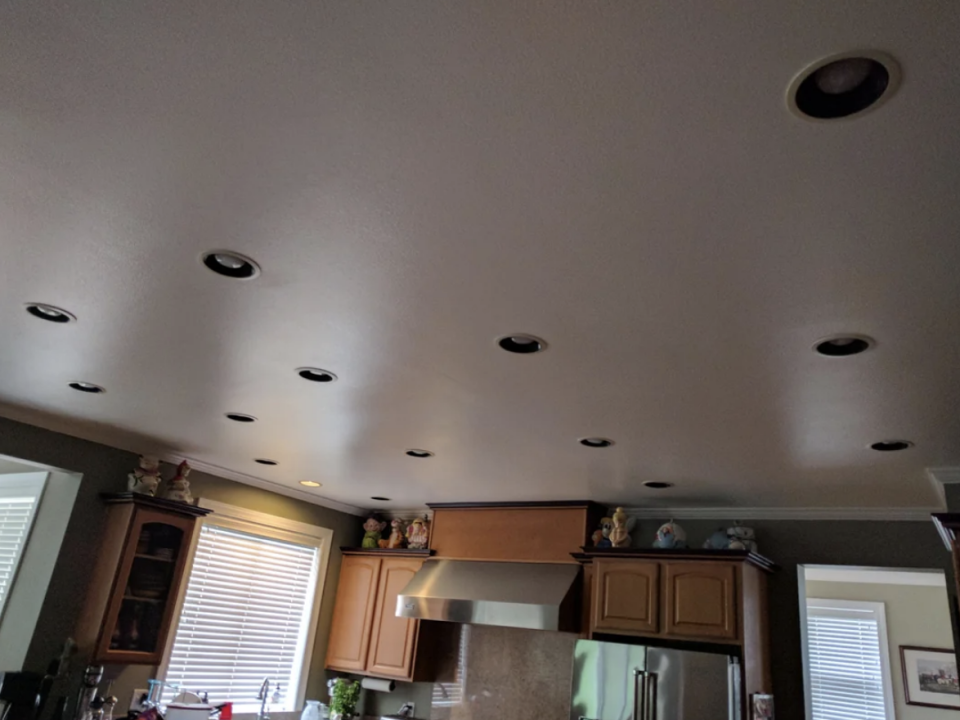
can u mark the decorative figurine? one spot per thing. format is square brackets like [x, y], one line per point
[373, 526]
[670, 535]
[418, 534]
[717, 541]
[144, 479]
[179, 487]
[396, 539]
[601, 536]
[619, 537]
[741, 538]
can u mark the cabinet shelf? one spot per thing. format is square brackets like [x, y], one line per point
[134, 598]
[155, 558]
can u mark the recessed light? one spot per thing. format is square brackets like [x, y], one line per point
[657, 485]
[378, 498]
[596, 442]
[241, 418]
[264, 461]
[50, 313]
[309, 483]
[522, 344]
[316, 374]
[417, 453]
[843, 345]
[87, 387]
[843, 85]
[891, 445]
[230, 264]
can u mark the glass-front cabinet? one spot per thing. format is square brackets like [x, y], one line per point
[132, 598]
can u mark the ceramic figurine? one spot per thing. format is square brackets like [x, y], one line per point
[418, 534]
[601, 536]
[372, 526]
[717, 541]
[179, 487]
[741, 538]
[144, 479]
[619, 537]
[670, 535]
[396, 539]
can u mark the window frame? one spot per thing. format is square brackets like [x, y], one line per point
[274, 527]
[877, 609]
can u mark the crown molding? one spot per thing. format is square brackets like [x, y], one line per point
[278, 488]
[921, 514]
[944, 475]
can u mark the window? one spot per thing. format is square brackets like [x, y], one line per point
[249, 609]
[450, 694]
[19, 498]
[849, 662]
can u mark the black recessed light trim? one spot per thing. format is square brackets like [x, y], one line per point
[891, 445]
[522, 344]
[596, 442]
[843, 345]
[230, 264]
[380, 498]
[418, 453]
[657, 485]
[821, 91]
[316, 374]
[50, 313]
[87, 387]
[265, 461]
[240, 417]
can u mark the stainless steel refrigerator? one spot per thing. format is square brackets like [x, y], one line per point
[613, 681]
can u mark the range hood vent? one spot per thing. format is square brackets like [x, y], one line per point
[536, 596]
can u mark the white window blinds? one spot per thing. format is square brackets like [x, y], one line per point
[848, 660]
[19, 498]
[245, 617]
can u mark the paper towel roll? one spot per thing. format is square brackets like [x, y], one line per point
[378, 685]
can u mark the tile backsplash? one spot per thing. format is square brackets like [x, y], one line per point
[496, 673]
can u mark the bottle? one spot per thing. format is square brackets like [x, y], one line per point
[311, 711]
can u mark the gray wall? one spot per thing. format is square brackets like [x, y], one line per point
[104, 470]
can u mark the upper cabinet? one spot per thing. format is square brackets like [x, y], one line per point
[130, 602]
[628, 593]
[366, 636]
[700, 600]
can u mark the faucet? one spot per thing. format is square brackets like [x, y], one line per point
[262, 697]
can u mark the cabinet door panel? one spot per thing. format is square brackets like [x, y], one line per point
[701, 600]
[394, 639]
[626, 596]
[353, 613]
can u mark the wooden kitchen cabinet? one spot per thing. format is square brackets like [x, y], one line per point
[128, 612]
[366, 635]
[700, 600]
[394, 639]
[353, 613]
[627, 596]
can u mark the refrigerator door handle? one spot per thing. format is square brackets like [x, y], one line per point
[639, 695]
[651, 697]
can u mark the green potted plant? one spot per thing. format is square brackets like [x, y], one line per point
[344, 695]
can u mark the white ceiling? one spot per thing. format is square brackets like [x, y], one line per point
[416, 179]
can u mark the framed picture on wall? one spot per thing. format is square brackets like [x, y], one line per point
[930, 677]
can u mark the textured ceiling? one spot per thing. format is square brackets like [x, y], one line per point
[416, 179]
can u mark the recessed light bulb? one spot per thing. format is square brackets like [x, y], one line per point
[842, 76]
[229, 261]
[309, 483]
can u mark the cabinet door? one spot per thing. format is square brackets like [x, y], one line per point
[353, 613]
[139, 615]
[701, 599]
[394, 638]
[626, 595]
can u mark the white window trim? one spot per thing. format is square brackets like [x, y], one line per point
[278, 528]
[877, 608]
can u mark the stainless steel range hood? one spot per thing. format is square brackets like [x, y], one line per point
[536, 596]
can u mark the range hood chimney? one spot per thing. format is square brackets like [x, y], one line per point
[535, 596]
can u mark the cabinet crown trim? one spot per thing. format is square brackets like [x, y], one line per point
[755, 559]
